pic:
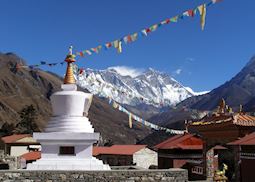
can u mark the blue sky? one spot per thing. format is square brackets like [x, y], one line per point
[43, 30]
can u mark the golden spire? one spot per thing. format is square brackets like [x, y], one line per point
[241, 109]
[222, 106]
[69, 77]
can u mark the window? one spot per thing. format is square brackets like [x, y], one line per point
[66, 150]
[197, 170]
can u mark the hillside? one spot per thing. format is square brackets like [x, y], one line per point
[239, 90]
[25, 87]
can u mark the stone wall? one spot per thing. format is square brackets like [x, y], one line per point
[13, 162]
[171, 175]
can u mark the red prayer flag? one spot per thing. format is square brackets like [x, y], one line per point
[81, 54]
[191, 13]
[129, 38]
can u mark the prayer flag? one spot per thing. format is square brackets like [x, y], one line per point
[134, 37]
[115, 105]
[108, 45]
[215, 1]
[81, 54]
[202, 11]
[144, 32]
[186, 13]
[125, 39]
[117, 45]
[174, 19]
[88, 52]
[130, 120]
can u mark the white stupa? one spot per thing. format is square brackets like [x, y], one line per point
[68, 139]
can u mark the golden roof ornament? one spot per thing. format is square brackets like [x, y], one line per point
[241, 109]
[222, 106]
[70, 58]
[229, 110]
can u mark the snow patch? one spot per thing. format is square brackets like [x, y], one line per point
[127, 71]
[196, 93]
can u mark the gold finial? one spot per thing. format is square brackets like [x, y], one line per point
[70, 58]
[186, 126]
[230, 110]
[222, 106]
[71, 50]
[241, 108]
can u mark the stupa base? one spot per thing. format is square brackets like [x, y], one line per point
[68, 164]
[67, 151]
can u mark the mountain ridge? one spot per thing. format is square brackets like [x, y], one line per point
[150, 87]
[238, 90]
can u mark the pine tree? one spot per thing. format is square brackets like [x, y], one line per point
[27, 124]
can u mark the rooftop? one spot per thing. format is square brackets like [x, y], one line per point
[18, 138]
[247, 140]
[118, 150]
[31, 156]
[224, 114]
[184, 142]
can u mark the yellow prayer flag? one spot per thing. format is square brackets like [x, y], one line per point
[115, 105]
[119, 47]
[130, 120]
[202, 11]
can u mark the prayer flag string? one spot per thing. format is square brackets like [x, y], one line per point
[118, 43]
[146, 31]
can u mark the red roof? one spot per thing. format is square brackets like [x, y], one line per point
[118, 150]
[185, 142]
[31, 156]
[14, 138]
[247, 140]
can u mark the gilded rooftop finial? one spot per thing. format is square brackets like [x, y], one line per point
[222, 106]
[241, 109]
[70, 58]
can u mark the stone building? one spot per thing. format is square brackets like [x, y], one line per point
[127, 155]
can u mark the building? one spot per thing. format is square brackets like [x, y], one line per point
[184, 151]
[18, 144]
[245, 157]
[220, 128]
[127, 155]
[177, 150]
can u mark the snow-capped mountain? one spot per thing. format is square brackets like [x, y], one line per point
[149, 87]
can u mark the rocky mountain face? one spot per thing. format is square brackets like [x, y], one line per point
[239, 90]
[146, 94]
[23, 87]
[150, 87]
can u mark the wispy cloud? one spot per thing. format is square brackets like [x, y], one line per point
[178, 71]
[190, 59]
[127, 71]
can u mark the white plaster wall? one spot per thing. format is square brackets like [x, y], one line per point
[145, 157]
[18, 150]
